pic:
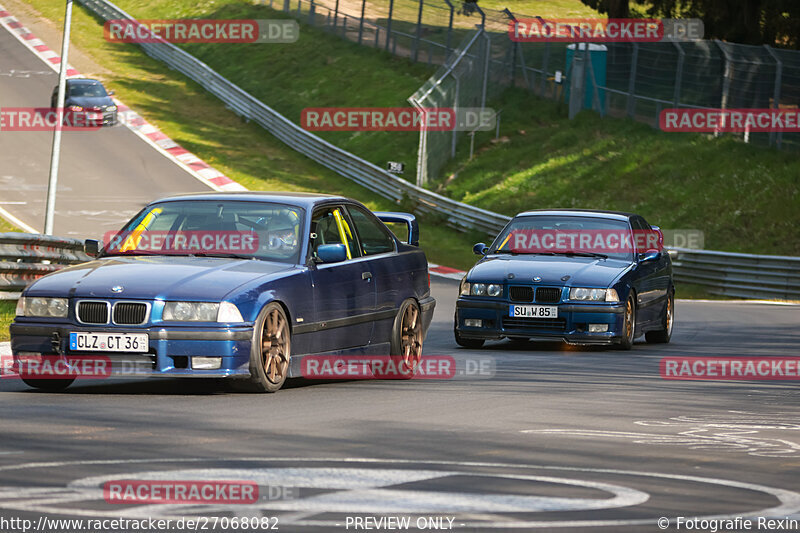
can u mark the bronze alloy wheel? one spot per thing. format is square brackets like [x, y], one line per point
[411, 337]
[275, 346]
[629, 322]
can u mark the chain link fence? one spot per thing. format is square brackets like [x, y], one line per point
[635, 80]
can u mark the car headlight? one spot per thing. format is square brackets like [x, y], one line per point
[75, 108]
[593, 295]
[191, 311]
[42, 307]
[464, 289]
[486, 289]
[111, 108]
[494, 290]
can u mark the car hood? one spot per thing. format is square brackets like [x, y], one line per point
[558, 270]
[169, 278]
[89, 101]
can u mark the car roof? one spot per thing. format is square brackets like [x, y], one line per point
[302, 199]
[83, 81]
[594, 213]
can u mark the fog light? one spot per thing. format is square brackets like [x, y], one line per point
[473, 323]
[598, 328]
[206, 363]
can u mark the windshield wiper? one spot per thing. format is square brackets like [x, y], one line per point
[514, 251]
[584, 254]
[221, 254]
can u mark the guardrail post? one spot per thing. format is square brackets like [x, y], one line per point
[776, 95]
[389, 24]
[419, 31]
[676, 95]
[631, 109]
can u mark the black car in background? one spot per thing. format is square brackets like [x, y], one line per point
[89, 99]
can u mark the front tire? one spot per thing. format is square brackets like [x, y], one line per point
[406, 341]
[629, 324]
[52, 385]
[270, 353]
[662, 336]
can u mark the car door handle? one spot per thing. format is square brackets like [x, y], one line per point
[366, 275]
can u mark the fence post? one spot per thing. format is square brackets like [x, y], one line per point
[311, 7]
[676, 95]
[455, 108]
[449, 32]
[776, 95]
[586, 59]
[514, 49]
[389, 25]
[545, 60]
[632, 82]
[287, 6]
[335, 15]
[487, 60]
[361, 22]
[419, 31]
[726, 81]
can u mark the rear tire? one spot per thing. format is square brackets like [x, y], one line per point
[662, 336]
[270, 353]
[406, 342]
[52, 385]
[629, 324]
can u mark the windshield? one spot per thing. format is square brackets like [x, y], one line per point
[259, 230]
[87, 89]
[567, 235]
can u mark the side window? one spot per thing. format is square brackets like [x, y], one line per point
[375, 239]
[329, 225]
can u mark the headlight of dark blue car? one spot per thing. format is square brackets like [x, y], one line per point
[481, 289]
[42, 307]
[586, 294]
[201, 312]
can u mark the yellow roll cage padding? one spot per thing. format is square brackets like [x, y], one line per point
[344, 231]
[132, 241]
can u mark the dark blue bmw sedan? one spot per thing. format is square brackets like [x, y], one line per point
[239, 285]
[584, 277]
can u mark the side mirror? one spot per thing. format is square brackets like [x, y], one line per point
[331, 253]
[91, 247]
[649, 255]
[111, 93]
[480, 249]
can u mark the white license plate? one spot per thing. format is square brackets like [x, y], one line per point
[108, 342]
[533, 311]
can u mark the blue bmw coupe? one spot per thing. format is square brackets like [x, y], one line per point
[239, 285]
[584, 277]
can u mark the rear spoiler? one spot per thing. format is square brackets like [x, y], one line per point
[402, 218]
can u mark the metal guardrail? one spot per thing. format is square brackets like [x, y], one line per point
[740, 275]
[25, 257]
[459, 215]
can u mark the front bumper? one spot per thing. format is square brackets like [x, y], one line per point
[572, 324]
[169, 354]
